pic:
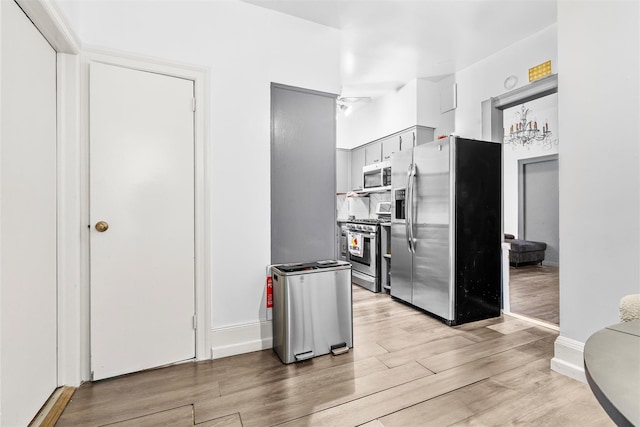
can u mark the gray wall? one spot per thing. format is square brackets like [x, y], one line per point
[303, 175]
[539, 204]
[598, 112]
[343, 169]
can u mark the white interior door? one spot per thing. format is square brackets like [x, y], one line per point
[28, 218]
[142, 186]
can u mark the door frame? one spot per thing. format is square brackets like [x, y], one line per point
[202, 207]
[72, 186]
[493, 130]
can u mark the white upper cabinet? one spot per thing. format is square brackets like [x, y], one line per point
[382, 150]
[408, 140]
[389, 146]
[373, 153]
[357, 163]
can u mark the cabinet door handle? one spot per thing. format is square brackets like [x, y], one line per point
[400, 142]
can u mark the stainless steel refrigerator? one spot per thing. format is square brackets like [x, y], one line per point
[446, 228]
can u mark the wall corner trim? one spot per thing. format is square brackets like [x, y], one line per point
[568, 358]
[234, 340]
[51, 23]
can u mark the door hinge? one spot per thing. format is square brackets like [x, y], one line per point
[195, 322]
[193, 104]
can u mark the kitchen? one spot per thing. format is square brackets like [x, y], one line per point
[424, 219]
[238, 321]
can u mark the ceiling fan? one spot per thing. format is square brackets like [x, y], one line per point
[354, 99]
[343, 102]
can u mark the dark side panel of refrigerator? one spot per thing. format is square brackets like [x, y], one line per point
[477, 234]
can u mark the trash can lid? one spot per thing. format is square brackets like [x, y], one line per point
[309, 266]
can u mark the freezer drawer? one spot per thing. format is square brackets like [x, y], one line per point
[312, 311]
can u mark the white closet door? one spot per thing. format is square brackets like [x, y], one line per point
[28, 218]
[142, 186]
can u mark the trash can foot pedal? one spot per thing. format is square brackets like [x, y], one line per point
[338, 349]
[304, 356]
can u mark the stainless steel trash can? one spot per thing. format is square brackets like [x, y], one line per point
[312, 309]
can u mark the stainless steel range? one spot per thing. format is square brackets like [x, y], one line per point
[363, 243]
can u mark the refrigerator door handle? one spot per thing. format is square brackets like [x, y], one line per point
[412, 174]
[411, 194]
[407, 210]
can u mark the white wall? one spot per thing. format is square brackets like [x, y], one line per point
[418, 102]
[599, 106]
[383, 116]
[432, 98]
[485, 79]
[28, 256]
[545, 110]
[245, 48]
[415, 103]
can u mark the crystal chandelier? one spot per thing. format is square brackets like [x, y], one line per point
[525, 132]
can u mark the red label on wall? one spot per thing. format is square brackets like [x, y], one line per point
[269, 292]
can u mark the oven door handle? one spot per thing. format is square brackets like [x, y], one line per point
[367, 235]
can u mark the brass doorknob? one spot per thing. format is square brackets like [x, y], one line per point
[102, 226]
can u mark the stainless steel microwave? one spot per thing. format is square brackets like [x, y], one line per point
[377, 176]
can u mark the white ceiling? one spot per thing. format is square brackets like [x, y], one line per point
[386, 43]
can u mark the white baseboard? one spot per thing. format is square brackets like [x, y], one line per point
[241, 339]
[569, 358]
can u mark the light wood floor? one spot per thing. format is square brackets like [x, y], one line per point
[534, 292]
[406, 369]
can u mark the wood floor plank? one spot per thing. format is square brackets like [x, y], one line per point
[374, 423]
[481, 334]
[400, 397]
[546, 404]
[491, 372]
[381, 330]
[271, 409]
[410, 354]
[534, 292]
[257, 375]
[440, 411]
[450, 359]
[490, 393]
[402, 340]
[531, 394]
[513, 325]
[140, 394]
[279, 390]
[232, 420]
[177, 417]
[484, 323]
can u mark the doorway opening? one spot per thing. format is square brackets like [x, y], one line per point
[530, 201]
[535, 286]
